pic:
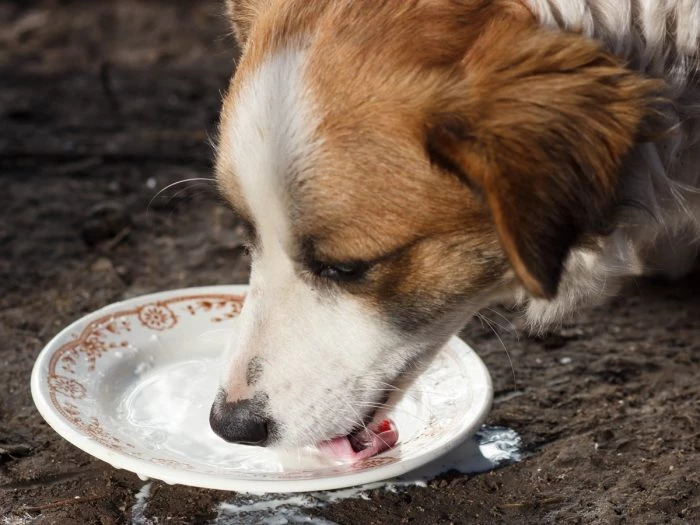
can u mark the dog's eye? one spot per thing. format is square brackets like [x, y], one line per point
[341, 272]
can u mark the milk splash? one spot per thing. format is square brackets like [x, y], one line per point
[138, 510]
[489, 448]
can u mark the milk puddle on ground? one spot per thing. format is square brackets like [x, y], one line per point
[489, 448]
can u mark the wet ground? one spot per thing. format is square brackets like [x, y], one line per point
[103, 104]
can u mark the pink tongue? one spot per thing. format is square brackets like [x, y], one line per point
[376, 438]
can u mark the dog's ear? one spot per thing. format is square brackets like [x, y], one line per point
[539, 123]
[243, 14]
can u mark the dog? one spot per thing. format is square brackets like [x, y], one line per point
[400, 164]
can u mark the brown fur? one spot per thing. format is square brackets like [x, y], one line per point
[448, 127]
[243, 15]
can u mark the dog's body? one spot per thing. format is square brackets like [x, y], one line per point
[403, 163]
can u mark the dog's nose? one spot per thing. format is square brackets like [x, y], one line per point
[242, 422]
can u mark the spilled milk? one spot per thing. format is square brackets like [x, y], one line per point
[489, 448]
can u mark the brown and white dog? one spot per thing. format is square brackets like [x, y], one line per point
[400, 164]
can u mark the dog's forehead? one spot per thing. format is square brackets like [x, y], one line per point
[344, 180]
[266, 136]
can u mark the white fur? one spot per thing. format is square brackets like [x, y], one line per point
[323, 355]
[660, 233]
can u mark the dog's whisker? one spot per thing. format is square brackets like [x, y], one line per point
[188, 198]
[396, 409]
[411, 394]
[191, 179]
[352, 408]
[186, 189]
[510, 327]
[494, 323]
[512, 368]
[385, 389]
[404, 391]
[360, 420]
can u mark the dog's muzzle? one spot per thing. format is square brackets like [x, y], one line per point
[244, 422]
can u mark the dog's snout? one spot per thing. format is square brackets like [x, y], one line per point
[243, 422]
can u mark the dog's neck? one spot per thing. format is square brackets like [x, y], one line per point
[660, 196]
[660, 38]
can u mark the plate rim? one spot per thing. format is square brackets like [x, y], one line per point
[172, 475]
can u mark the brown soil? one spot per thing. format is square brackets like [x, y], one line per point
[99, 97]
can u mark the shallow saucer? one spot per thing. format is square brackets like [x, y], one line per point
[132, 385]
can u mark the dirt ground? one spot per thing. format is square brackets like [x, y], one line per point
[102, 104]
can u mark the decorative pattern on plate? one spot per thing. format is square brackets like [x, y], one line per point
[157, 316]
[374, 462]
[167, 462]
[66, 386]
[71, 365]
[93, 428]
[226, 309]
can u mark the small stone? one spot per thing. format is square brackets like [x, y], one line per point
[124, 274]
[102, 265]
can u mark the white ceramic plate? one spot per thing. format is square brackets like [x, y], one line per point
[132, 384]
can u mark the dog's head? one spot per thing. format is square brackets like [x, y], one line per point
[399, 164]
